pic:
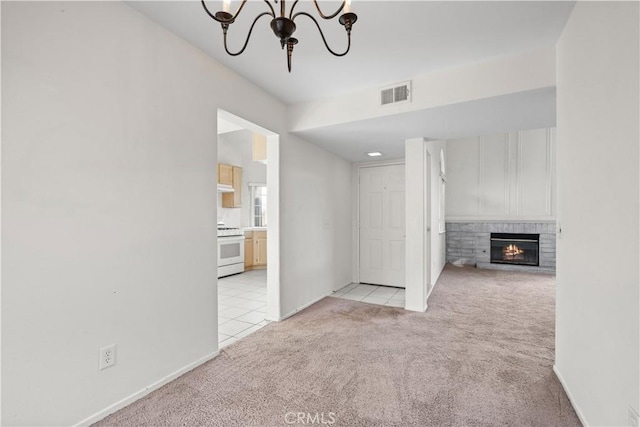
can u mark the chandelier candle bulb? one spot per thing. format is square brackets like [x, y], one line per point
[226, 6]
[347, 6]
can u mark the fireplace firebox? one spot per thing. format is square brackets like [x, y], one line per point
[511, 248]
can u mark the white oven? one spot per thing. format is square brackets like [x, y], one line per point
[230, 255]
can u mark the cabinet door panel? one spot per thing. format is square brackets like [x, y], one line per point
[237, 187]
[260, 248]
[248, 253]
[225, 174]
[234, 200]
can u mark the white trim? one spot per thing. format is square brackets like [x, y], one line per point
[427, 220]
[274, 298]
[286, 316]
[273, 221]
[518, 173]
[571, 400]
[480, 172]
[145, 391]
[507, 195]
[434, 285]
[379, 163]
[499, 219]
[416, 309]
[548, 172]
[355, 272]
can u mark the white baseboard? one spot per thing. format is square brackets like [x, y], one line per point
[140, 394]
[566, 390]
[417, 309]
[286, 316]
[436, 282]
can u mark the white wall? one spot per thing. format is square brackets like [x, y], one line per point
[108, 206]
[438, 239]
[508, 176]
[316, 190]
[597, 324]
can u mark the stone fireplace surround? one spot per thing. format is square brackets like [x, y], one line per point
[469, 243]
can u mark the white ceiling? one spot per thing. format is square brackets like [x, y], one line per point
[392, 41]
[525, 110]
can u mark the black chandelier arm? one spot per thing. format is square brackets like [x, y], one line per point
[293, 6]
[322, 15]
[273, 12]
[324, 40]
[337, 12]
[246, 42]
[206, 9]
[233, 17]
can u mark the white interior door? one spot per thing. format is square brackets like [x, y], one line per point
[382, 225]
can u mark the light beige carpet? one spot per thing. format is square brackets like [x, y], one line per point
[481, 355]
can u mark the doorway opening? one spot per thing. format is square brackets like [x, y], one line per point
[248, 285]
[379, 244]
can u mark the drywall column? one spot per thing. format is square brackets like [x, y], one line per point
[597, 333]
[273, 245]
[416, 170]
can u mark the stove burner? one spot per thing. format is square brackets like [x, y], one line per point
[229, 231]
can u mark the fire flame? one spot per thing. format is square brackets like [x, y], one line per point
[512, 251]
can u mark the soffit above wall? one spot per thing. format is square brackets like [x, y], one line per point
[514, 112]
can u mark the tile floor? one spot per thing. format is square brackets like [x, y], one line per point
[374, 294]
[242, 303]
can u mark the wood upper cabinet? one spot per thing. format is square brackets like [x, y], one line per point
[231, 200]
[259, 153]
[225, 174]
[260, 248]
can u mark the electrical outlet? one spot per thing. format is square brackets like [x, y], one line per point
[107, 356]
[634, 420]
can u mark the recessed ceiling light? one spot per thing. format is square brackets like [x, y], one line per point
[374, 154]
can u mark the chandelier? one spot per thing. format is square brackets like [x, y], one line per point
[284, 26]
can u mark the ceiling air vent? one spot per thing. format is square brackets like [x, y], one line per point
[399, 92]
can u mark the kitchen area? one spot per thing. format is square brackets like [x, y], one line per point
[242, 232]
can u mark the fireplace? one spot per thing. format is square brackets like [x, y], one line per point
[519, 249]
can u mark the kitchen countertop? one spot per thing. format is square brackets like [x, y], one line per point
[255, 229]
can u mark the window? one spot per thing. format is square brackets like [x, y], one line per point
[258, 194]
[441, 192]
